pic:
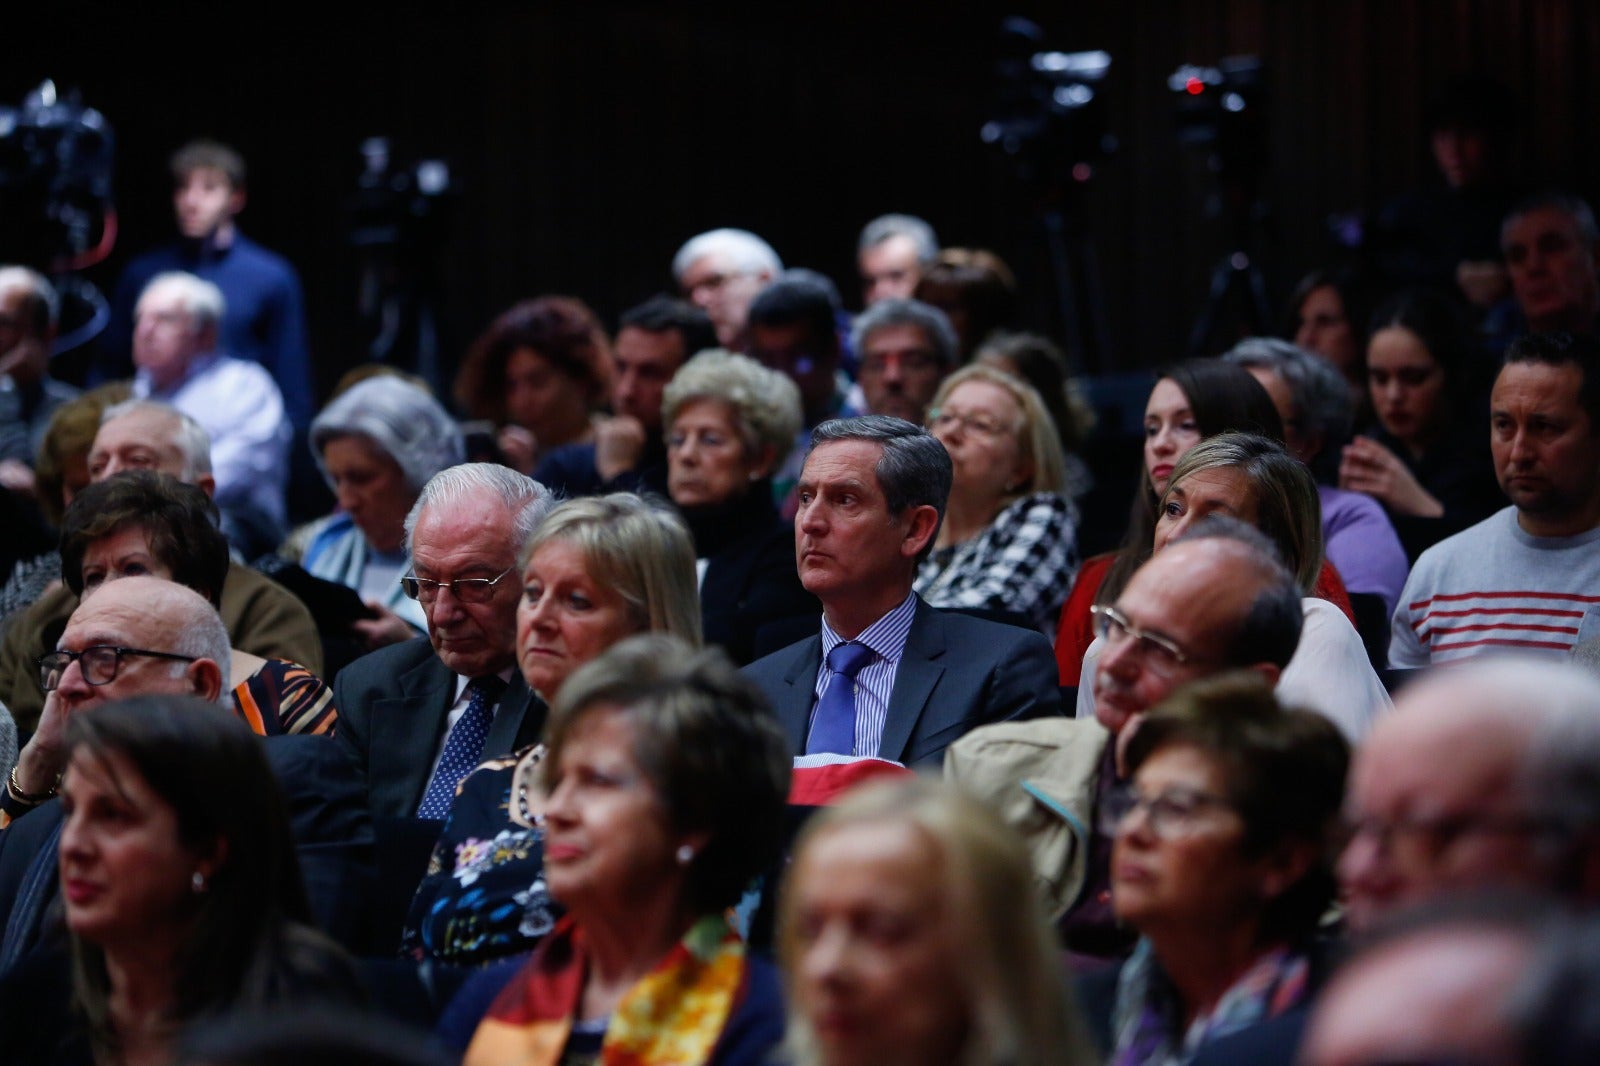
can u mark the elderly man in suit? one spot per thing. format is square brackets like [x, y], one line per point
[889, 676]
[418, 716]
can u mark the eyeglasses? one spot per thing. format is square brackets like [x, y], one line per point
[1172, 814]
[99, 663]
[1425, 839]
[1160, 653]
[942, 418]
[464, 589]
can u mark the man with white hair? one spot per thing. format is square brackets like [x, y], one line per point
[178, 320]
[416, 717]
[721, 271]
[891, 254]
[28, 394]
[1483, 777]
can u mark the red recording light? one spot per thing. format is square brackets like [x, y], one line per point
[1194, 86]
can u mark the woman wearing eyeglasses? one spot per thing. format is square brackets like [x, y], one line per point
[1009, 542]
[1223, 862]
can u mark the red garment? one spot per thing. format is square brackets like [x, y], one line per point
[1076, 631]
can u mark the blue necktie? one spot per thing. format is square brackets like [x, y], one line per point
[834, 726]
[463, 748]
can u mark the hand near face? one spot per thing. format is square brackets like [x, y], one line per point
[520, 448]
[44, 756]
[16, 477]
[1367, 466]
[383, 629]
[1483, 282]
[618, 443]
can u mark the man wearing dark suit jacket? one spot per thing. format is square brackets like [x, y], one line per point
[871, 497]
[399, 706]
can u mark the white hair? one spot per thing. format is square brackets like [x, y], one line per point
[746, 252]
[188, 436]
[526, 499]
[403, 420]
[883, 227]
[41, 294]
[198, 297]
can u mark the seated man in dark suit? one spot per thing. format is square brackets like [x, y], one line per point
[418, 716]
[871, 497]
[157, 638]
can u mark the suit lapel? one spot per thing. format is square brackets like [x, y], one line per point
[920, 668]
[794, 700]
[506, 731]
[406, 730]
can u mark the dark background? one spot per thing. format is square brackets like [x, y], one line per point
[590, 140]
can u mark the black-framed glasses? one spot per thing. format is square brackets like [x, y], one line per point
[464, 589]
[100, 663]
[1161, 653]
[1172, 814]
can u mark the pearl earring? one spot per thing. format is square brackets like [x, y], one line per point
[685, 855]
[198, 882]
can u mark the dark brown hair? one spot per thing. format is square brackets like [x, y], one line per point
[560, 329]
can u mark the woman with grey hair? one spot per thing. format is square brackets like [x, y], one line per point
[377, 443]
[730, 422]
[1317, 411]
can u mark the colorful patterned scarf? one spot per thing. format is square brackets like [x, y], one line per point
[674, 1015]
[1148, 1019]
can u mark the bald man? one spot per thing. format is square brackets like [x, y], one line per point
[1482, 777]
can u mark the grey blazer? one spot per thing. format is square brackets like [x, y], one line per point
[957, 673]
[393, 706]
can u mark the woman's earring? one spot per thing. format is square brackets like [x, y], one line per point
[198, 882]
[685, 855]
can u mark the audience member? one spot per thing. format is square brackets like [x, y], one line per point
[1329, 319]
[263, 618]
[792, 331]
[266, 316]
[970, 974]
[721, 271]
[665, 781]
[889, 676]
[234, 400]
[1200, 607]
[730, 423]
[538, 375]
[906, 348]
[142, 636]
[1512, 801]
[1252, 481]
[1528, 577]
[1008, 540]
[628, 453]
[1036, 359]
[140, 522]
[417, 717]
[1425, 460]
[597, 570]
[1358, 537]
[1437, 986]
[1552, 250]
[377, 443]
[29, 396]
[891, 254]
[182, 891]
[976, 291]
[1190, 402]
[1223, 864]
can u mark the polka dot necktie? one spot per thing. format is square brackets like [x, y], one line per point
[833, 728]
[463, 748]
